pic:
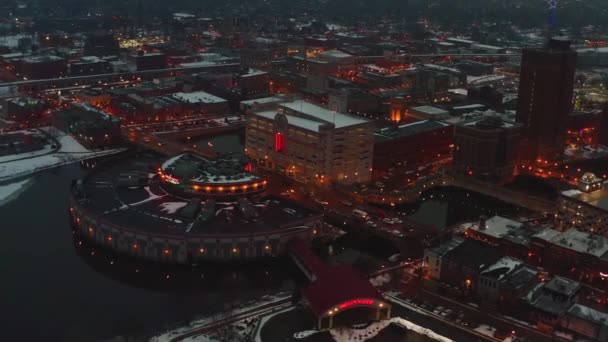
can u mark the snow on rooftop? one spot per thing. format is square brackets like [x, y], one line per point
[335, 54]
[547, 234]
[485, 78]
[306, 124]
[442, 68]
[198, 97]
[338, 119]
[571, 193]
[588, 314]
[460, 40]
[507, 262]
[254, 72]
[269, 99]
[471, 106]
[430, 110]
[459, 91]
[582, 242]
[498, 226]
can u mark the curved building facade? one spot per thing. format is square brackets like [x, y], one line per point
[124, 206]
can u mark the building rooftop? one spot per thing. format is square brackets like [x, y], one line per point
[469, 252]
[195, 168]
[588, 314]
[547, 234]
[390, 133]
[563, 286]
[430, 110]
[337, 286]
[150, 209]
[309, 125]
[42, 59]
[198, 97]
[321, 113]
[501, 268]
[520, 279]
[520, 236]
[598, 198]
[582, 242]
[446, 246]
[334, 54]
[498, 226]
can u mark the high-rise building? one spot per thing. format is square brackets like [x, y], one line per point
[545, 98]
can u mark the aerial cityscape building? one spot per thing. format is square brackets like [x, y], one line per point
[304, 170]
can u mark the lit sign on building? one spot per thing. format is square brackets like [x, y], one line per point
[279, 142]
[356, 302]
[171, 179]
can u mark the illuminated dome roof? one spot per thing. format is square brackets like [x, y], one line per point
[588, 177]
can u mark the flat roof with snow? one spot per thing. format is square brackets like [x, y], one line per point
[582, 242]
[497, 226]
[198, 97]
[430, 110]
[598, 198]
[501, 268]
[309, 125]
[321, 113]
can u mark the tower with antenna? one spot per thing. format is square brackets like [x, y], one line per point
[552, 22]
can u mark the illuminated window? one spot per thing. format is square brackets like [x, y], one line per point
[279, 142]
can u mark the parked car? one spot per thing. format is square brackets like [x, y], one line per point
[347, 203]
[446, 313]
[438, 310]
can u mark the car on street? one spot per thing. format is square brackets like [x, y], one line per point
[347, 203]
[446, 313]
[438, 310]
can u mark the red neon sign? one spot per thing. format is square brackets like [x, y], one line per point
[279, 142]
[356, 302]
[171, 179]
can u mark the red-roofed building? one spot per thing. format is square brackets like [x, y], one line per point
[338, 295]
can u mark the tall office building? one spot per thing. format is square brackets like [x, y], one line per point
[545, 98]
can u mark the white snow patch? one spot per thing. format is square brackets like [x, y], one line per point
[304, 334]
[11, 191]
[265, 319]
[151, 196]
[172, 207]
[380, 280]
[45, 150]
[563, 335]
[70, 145]
[347, 335]
[485, 330]
[205, 321]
